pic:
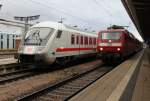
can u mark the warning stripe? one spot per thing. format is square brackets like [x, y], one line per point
[73, 49]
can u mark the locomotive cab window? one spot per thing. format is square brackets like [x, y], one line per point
[59, 32]
[111, 35]
[38, 36]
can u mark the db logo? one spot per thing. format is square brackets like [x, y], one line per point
[29, 49]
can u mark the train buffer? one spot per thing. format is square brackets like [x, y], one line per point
[130, 81]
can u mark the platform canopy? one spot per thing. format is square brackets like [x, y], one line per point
[139, 12]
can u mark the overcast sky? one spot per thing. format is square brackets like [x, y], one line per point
[91, 14]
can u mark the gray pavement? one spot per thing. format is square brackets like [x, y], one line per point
[142, 88]
[7, 61]
[114, 86]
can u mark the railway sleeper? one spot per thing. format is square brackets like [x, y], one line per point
[57, 92]
[70, 87]
[67, 90]
[73, 86]
[49, 98]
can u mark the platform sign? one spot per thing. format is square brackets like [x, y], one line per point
[26, 19]
[29, 18]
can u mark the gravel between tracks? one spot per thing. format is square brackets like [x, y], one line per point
[20, 87]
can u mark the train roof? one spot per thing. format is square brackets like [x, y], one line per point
[113, 30]
[119, 30]
[61, 26]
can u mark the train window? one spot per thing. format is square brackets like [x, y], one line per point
[126, 36]
[94, 41]
[72, 39]
[59, 32]
[90, 41]
[85, 40]
[81, 40]
[77, 39]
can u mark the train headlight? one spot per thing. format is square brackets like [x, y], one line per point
[101, 49]
[118, 49]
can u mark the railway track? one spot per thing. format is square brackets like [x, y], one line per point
[6, 56]
[12, 67]
[16, 75]
[66, 88]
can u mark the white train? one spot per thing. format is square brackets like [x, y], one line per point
[51, 42]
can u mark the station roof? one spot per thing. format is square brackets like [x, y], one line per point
[139, 12]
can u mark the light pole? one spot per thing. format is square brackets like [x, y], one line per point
[1, 6]
[61, 20]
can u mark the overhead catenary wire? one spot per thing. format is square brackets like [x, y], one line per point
[48, 14]
[59, 10]
[107, 11]
[65, 13]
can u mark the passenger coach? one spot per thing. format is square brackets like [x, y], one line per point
[51, 42]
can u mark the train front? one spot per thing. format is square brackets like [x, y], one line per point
[34, 45]
[110, 44]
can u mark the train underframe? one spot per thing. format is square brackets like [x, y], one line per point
[43, 59]
[113, 57]
[23, 58]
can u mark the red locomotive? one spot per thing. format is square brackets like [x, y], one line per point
[115, 44]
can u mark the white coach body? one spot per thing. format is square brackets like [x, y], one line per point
[49, 41]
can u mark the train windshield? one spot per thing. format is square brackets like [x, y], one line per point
[38, 36]
[111, 35]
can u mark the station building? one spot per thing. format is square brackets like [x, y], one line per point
[10, 32]
[8, 41]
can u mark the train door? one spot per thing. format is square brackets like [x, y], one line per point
[78, 42]
[81, 45]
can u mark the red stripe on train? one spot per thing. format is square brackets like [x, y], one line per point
[73, 49]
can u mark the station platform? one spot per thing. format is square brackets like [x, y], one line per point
[6, 56]
[6, 61]
[130, 81]
[142, 87]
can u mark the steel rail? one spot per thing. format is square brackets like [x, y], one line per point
[18, 74]
[66, 88]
